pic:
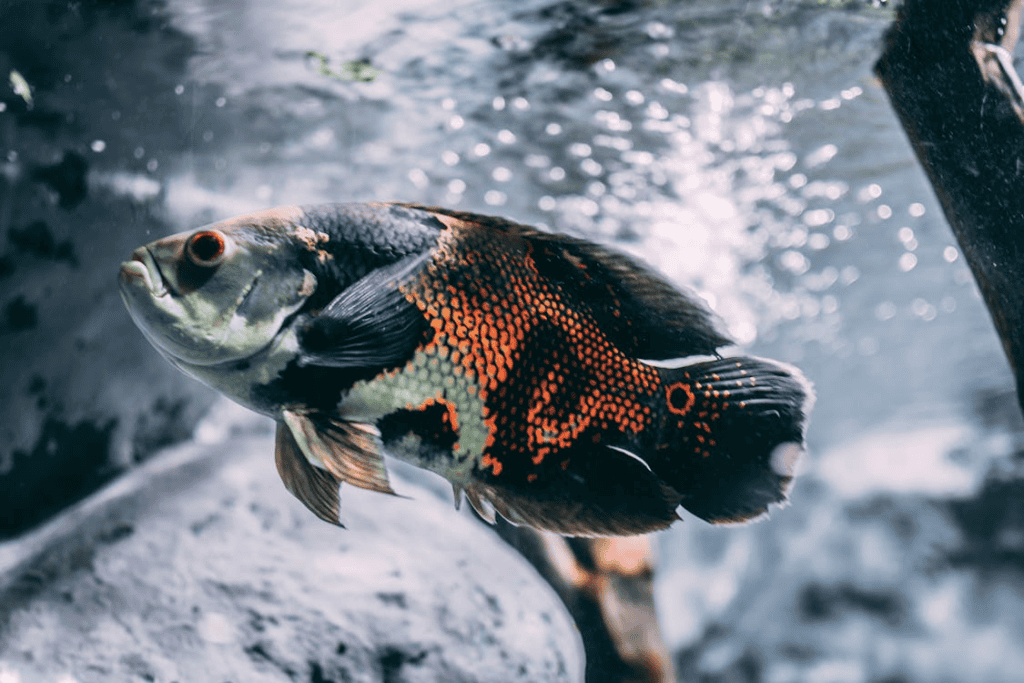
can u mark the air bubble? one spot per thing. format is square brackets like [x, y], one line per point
[822, 155]
[591, 167]
[818, 217]
[907, 262]
[674, 86]
[872, 191]
[795, 262]
[842, 233]
[658, 30]
[580, 149]
[818, 241]
[418, 177]
[656, 110]
[659, 50]
[635, 97]
[923, 309]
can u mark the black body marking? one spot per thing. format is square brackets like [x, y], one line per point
[432, 423]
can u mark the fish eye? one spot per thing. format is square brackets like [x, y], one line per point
[206, 248]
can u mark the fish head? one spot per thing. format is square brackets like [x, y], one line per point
[222, 292]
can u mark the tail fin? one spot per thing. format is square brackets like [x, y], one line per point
[732, 431]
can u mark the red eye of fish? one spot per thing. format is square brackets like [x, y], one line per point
[206, 248]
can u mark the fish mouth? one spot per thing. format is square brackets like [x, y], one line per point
[141, 269]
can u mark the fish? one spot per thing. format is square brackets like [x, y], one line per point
[551, 380]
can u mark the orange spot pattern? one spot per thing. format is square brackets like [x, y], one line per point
[544, 370]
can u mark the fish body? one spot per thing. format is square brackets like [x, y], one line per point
[524, 367]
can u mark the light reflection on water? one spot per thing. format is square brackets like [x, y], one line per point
[745, 152]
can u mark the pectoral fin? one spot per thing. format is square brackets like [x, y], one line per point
[348, 450]
[370, 324]
[316, 488]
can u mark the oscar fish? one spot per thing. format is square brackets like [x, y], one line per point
[549, 379]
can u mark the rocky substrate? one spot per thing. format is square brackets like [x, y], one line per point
[199, 566]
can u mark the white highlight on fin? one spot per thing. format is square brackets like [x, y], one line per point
[785, 459]
[632, 455]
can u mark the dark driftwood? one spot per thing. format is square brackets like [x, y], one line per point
[946, 68]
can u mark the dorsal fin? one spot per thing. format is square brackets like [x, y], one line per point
[641, 313]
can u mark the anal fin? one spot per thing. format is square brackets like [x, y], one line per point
[602, 492]
[316, 488]
[348, 450]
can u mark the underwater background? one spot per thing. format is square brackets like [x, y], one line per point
[743, 148]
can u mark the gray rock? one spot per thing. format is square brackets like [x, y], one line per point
[199, 566]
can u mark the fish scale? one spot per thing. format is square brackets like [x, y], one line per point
[523, 348]
[428, 377]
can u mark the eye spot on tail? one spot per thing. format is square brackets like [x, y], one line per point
[680, 398]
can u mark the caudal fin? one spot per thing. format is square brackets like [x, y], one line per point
[732, 431]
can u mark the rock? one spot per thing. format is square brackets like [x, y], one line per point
[199, 566]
